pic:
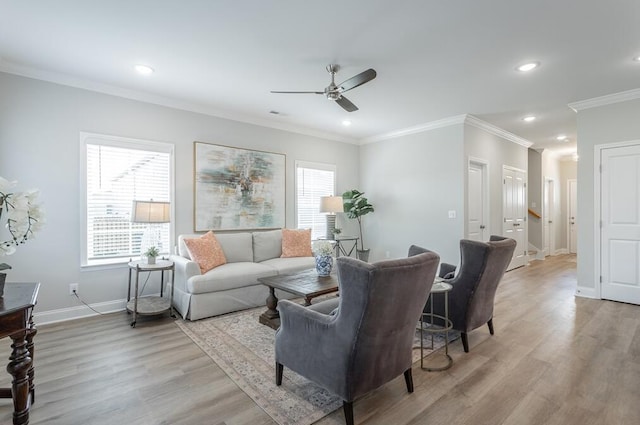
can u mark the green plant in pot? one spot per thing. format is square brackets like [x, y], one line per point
[356, 205]
[151, 254]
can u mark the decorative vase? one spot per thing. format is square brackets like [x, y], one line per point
[3, 276]
[151, 260]
[324, 264]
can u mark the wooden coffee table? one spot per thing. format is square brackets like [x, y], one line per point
[306, 284]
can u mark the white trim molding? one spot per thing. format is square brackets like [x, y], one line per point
[446, 122]
[420, 128]
[72, 313]
[496, 131]
[605, 100]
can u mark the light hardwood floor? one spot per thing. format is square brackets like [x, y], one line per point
[555, 359]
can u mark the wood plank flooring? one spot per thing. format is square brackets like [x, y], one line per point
[554, 359]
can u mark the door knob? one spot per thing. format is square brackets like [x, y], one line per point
[482, 226]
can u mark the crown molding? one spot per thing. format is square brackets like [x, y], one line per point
[445, 122]
[66, 80]
[496, 131]
[605, 100]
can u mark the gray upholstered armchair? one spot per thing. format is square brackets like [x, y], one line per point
[482, 265]
[367, 341]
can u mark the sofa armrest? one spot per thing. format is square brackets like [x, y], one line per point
[184, 270]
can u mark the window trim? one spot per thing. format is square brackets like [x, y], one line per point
[126, 143]
[312, 165]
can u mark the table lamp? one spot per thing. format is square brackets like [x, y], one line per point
[331, 205]
[152, 213]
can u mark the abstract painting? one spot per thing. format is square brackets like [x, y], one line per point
[238, 188]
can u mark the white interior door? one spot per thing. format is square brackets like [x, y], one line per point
[620, 229]
[514, 201]
[476, 211]
[573, 215]
[547, 217]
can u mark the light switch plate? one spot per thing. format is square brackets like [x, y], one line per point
[452, 214]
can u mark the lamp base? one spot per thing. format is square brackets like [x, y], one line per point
[331, 226]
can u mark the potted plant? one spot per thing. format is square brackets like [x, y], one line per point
[356, 205]
[324, 261]
[151, 254]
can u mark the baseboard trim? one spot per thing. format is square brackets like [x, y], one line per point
[561, 251]
[79, 312]
[584, 292]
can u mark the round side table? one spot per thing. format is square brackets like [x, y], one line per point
[149, 305]
[439, 288]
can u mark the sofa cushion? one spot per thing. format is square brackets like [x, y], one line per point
[229, 276]
[237, 247]
[291, 265]
[267, 245]
[296, 243]
[206, 251]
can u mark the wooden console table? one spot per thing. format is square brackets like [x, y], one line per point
[16, 322]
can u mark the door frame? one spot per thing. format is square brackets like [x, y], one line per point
[569, 181]
[484, 164]
[525, 214]
[597, 210]
[551, 209]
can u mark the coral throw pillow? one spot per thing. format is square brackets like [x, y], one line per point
[206, 251]
[296, 243]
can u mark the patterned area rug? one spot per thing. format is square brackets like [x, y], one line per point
[243, 348]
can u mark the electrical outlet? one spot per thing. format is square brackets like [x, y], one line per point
[73, 288]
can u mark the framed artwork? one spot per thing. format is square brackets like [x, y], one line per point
[238, 188]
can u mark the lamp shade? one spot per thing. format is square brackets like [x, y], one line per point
[150, 212]
[331, 204]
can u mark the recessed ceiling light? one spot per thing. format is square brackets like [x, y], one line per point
[346, 123]
[529, 118]
[528, 66]
[636, 59]
[561, 138]
[144, 69]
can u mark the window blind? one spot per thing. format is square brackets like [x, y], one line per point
[115, 176]
[312, 182]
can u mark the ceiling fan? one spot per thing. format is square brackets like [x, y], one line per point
[334, 91]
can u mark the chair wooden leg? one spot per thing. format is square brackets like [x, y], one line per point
[279, 370]
[347, 406]
[408, 379]
[465, 341]
[490, 324]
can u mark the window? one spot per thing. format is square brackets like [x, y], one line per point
[117, 171]
[313, 181]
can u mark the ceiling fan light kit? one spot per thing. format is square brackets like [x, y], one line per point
[334, 91]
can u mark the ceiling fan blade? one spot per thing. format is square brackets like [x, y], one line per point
[299, 92]
[346, 104]
[358, 80]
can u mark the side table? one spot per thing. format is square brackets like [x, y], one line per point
[344, 245]
[16, 322]
[149, 305]
[439, 288]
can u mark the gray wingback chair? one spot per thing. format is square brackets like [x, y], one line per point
[482, 265]
[367, 341]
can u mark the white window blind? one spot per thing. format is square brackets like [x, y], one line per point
[117, 173]
[312, 182]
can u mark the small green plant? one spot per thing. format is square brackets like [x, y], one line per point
[152, 252]
[337, 231]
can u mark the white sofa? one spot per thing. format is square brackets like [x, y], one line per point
[232, 286]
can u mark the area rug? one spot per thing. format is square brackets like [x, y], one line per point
[244, 350]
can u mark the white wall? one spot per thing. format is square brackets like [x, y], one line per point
[551, 170]
[39, 146]
[413, 181]
[599, 125]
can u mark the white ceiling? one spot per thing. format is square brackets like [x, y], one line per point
[434, 58]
